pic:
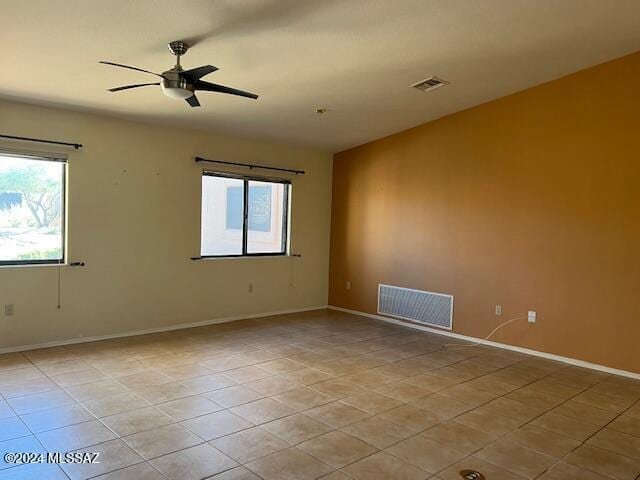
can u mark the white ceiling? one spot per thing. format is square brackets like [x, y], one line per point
[356, 58]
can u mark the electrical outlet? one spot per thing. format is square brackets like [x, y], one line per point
[251, 288]
[498, 310]
[8, 309]
[347, 285]
[532, 316]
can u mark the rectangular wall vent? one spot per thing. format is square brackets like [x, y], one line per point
[430, 308]
[429, 84]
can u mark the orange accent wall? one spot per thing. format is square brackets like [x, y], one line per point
[531, 201]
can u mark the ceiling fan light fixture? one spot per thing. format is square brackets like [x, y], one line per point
[178, 93]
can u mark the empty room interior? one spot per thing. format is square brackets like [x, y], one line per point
[304, 239]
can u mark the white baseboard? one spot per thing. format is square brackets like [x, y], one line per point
[180, 326]
[536, 353]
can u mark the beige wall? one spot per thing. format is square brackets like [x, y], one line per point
[134, 216]
[531, 201]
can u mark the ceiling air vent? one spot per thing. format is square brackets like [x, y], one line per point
[429, 84]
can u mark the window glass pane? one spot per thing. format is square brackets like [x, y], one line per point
[222, 216]
[266, 217]
[31, 209]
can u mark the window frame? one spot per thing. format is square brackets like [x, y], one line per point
[286, 214]
[63, 209]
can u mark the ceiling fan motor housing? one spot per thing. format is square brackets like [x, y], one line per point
[175, 85]
[178, 48]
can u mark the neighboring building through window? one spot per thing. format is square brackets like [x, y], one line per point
[32, 209]
[244, 216]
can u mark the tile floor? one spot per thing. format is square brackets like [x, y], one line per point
[315, 395]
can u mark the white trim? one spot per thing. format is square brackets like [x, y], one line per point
[418, 291]
[180, 326]
[536, 353]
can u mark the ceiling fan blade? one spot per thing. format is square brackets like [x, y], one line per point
[197, 73]
[127, 87]
[193, 101]
[214, 87]
[131, 68]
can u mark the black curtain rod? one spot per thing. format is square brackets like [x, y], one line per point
[53, 142]
[251, 166]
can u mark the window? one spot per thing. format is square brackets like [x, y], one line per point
[243, 216]
[32, 209]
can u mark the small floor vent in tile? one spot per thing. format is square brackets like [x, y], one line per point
[471, 475]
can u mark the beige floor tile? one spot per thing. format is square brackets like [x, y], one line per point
[188, 370]
[128, 423]
[490, 471]
[113, 455]
[273, 385]
[297, 428]
[604, 402]
[238, 473]
[339, 388]
[33, 471]
[144, 379]
[141, 471]
[21, 444]
[534, 399]
[488, 422]
[263, 410]
[378, 432]
[604, 462]
[566, 426]
[233, 396]
[250, 444]
[161, 441]
[5, 410]
[383, 466]
[626, 424]
[89, 375]
[337, 414]
[89, 391]
[543, 441]
[411, 418]
[290, 464]
[12, 427]
[405, 392]
[512, 409]
[368, 379]
[566, 471]
[56, 418]
[13, 361]
[247, 374]
[372, 402]
[617, 442]
[307, 376]
[215, 425]
[207, 383]
[303, 398]
[194, 463]
[156, 394]
[464, 393]
[516, 458]
[189, 407]
[425, 453]
[337, 449]
[459, 437]
[443, 407]
[124, 402]
[75, 437]
[281, 365]
[585, 413]
[40, 401]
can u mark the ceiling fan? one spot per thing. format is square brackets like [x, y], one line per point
[182, 84]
